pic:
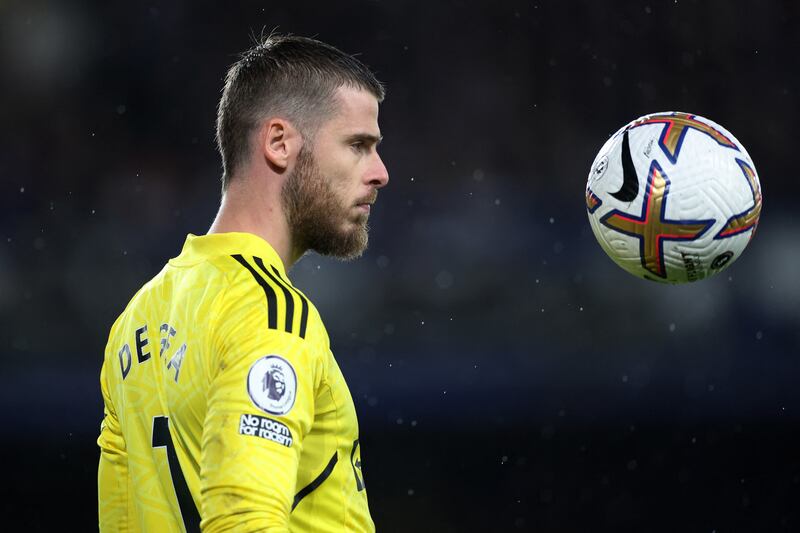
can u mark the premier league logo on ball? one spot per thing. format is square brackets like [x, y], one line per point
[272, 384]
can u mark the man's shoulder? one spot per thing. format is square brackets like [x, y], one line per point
[256, 285]
[139, 299]
[202, 280]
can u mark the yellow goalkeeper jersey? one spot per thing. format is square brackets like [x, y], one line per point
[224, 406]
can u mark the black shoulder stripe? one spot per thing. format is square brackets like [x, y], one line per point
[269, 292]
[286, 293]
[303, 303]
[311, 487]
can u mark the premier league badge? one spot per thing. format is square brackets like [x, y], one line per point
[272, 384]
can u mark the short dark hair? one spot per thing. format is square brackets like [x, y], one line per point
[288, 75]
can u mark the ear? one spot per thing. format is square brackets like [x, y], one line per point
[280, 142]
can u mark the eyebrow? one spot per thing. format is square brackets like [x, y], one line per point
[365, 137]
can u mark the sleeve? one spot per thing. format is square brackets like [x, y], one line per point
[112, 474]
[260, 407]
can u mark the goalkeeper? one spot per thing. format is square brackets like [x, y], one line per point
[224, 406]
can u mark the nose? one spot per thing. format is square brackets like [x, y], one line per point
[378, 175]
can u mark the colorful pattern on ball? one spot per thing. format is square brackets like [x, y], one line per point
[652, 227]
[748, 219]
[676, 125]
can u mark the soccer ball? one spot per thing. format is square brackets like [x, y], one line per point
[673, 197]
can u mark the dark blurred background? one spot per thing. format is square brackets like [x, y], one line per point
[507, 375]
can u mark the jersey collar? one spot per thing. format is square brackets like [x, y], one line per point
[197, 249]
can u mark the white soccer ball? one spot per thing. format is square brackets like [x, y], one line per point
[673, 197]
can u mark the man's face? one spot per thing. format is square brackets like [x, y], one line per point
[329, 193]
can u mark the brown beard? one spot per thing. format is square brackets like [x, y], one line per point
[316, 216]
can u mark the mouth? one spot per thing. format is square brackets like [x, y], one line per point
[365, 204]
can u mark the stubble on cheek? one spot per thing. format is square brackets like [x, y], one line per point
[318, 219]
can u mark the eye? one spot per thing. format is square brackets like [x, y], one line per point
[359, 146]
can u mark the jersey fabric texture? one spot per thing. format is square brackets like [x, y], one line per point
[224, 406]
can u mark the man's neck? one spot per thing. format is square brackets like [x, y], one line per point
[242, 211]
